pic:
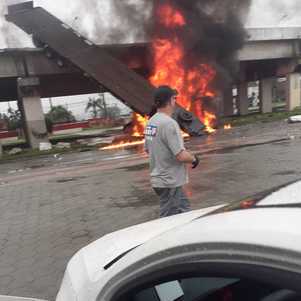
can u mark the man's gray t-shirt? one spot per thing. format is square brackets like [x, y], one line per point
[163, 142]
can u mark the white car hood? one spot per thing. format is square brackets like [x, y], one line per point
[287, 195]
[87, 266]
[8, 298]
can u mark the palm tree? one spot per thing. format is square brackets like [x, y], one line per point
[97, 106]
[14, 119]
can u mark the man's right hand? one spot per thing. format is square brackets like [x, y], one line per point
[195, 162]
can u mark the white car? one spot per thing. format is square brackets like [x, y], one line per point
[247, 251]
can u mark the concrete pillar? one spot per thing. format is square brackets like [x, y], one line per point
[228, 102]
[293, 92]
[32, 113]
[243, 102]
[266, 95]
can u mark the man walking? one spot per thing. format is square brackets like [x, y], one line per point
[168, 156]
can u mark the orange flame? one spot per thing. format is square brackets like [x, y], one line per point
[170, 17]
[192, 83]
[208, 120]
[139, 123]
[227, 127]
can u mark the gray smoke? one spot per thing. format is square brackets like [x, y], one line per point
[11, 36]
[111, 21]
[284, 11]
[275, 13]
[131, 17]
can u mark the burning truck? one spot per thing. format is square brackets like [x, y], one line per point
[192, 49]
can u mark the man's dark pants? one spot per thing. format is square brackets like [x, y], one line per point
[172, 201]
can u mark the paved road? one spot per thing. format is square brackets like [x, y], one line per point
[51, 210]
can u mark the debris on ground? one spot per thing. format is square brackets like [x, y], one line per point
[63, 145]
[58, 157]
[45, 146]
[294, 119]
[15, 171]
[15, 151]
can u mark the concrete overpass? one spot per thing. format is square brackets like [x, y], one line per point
[268, 53]
[59, 77]
[265, 47]
[271, 43]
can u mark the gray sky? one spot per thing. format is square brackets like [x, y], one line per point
[85, 14]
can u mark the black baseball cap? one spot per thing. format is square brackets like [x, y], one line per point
[163, 94]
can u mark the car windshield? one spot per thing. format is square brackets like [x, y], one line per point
[213, 289]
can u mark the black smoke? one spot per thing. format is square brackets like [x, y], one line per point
[213, 33]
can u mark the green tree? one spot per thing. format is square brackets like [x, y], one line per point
[97, 106]
[59, 114]
[49, 124]
[3, 120]
[14, 119]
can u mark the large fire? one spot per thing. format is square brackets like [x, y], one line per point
[192, 83]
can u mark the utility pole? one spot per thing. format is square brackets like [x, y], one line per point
[50, 103]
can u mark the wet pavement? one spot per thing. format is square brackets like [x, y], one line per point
[53, 206]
